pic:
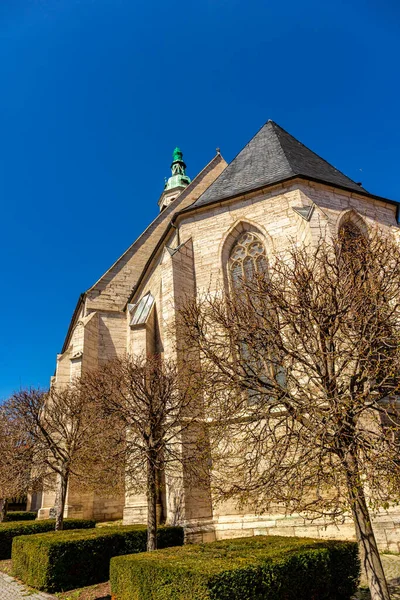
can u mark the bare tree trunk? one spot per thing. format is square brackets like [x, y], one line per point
[61, 497]
[3, 509]
[368, 549]
[151, 505]
[160, 502]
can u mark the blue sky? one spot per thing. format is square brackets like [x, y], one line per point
[95, 95]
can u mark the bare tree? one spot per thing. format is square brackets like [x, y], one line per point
[303, 366]
[156, 405]
[15, 460]
[68, 439]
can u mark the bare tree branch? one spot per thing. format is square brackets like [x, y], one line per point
[302, 365]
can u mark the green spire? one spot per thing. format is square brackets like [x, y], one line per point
[177, 155]
[178, 168]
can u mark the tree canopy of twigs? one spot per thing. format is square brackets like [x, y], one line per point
[68, 439]
[15, 460]
[157, 407]
[302, 363]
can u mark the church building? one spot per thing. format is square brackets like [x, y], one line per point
[274, 191]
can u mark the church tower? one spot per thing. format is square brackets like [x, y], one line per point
[177, 182]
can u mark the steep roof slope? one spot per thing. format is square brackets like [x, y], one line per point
[112, 290]
[271, 156]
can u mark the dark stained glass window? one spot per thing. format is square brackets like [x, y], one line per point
[247, 258]
[349, 232]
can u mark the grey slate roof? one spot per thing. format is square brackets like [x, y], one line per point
[271, 156]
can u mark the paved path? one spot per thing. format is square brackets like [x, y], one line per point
[10, 589]
[391, 565]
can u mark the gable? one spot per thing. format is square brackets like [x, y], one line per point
[112, 290]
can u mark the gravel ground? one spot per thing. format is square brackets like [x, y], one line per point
[10, 589]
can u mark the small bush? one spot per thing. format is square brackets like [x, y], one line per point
[20, 515]
[8, 531]
[277, 568]
[60, 561]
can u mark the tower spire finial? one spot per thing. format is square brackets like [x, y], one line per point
[177, 155]
[178, 168]
[178, 180]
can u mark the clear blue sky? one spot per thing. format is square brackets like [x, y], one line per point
[95, 95]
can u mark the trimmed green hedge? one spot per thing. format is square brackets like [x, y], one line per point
[277, 568]
[55, 562]
[20, 515]
[8, 531]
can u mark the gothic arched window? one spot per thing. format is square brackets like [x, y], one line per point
[350, 231]
[246, 259]
[352, 240]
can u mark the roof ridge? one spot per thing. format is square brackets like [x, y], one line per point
[238, 153]
[274, 124]
[173, 204]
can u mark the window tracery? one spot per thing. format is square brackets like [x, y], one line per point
[246, 259]
[352, 242]
[350, 231]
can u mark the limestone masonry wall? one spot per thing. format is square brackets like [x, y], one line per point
[194, 263]
[273, 215]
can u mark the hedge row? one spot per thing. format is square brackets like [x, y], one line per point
[60, 561]
[20, 515]
[277, 568]
[8, 531]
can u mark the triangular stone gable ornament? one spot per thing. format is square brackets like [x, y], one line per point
[304, 211]
[172, 251]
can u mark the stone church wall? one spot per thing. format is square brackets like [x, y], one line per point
[333, 202]
[386, 525]
[273, 216]
[112, 335]
[196, 264]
